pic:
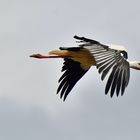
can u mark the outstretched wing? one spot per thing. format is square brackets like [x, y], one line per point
[72, 74]
[109, 59]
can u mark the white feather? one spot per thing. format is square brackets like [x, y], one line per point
[117, 47]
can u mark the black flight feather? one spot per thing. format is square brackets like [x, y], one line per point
[72, 74]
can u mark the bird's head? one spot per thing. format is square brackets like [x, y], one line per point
[135, 65]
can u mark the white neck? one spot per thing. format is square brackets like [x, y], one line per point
[134, 65]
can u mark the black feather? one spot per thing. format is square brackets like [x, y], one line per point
[72, 74]
[86, 39]
[75, 49]
[109, 82]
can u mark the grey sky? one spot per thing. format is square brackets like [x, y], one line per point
[29, 106]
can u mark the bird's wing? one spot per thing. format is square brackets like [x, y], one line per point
[72, 74]
[109, 59]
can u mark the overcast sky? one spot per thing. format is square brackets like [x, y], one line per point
[29, 106]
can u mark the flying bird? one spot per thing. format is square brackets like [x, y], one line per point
[109, 60]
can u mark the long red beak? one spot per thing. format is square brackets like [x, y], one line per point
[44, 56]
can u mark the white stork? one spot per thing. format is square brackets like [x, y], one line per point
[78, 60]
